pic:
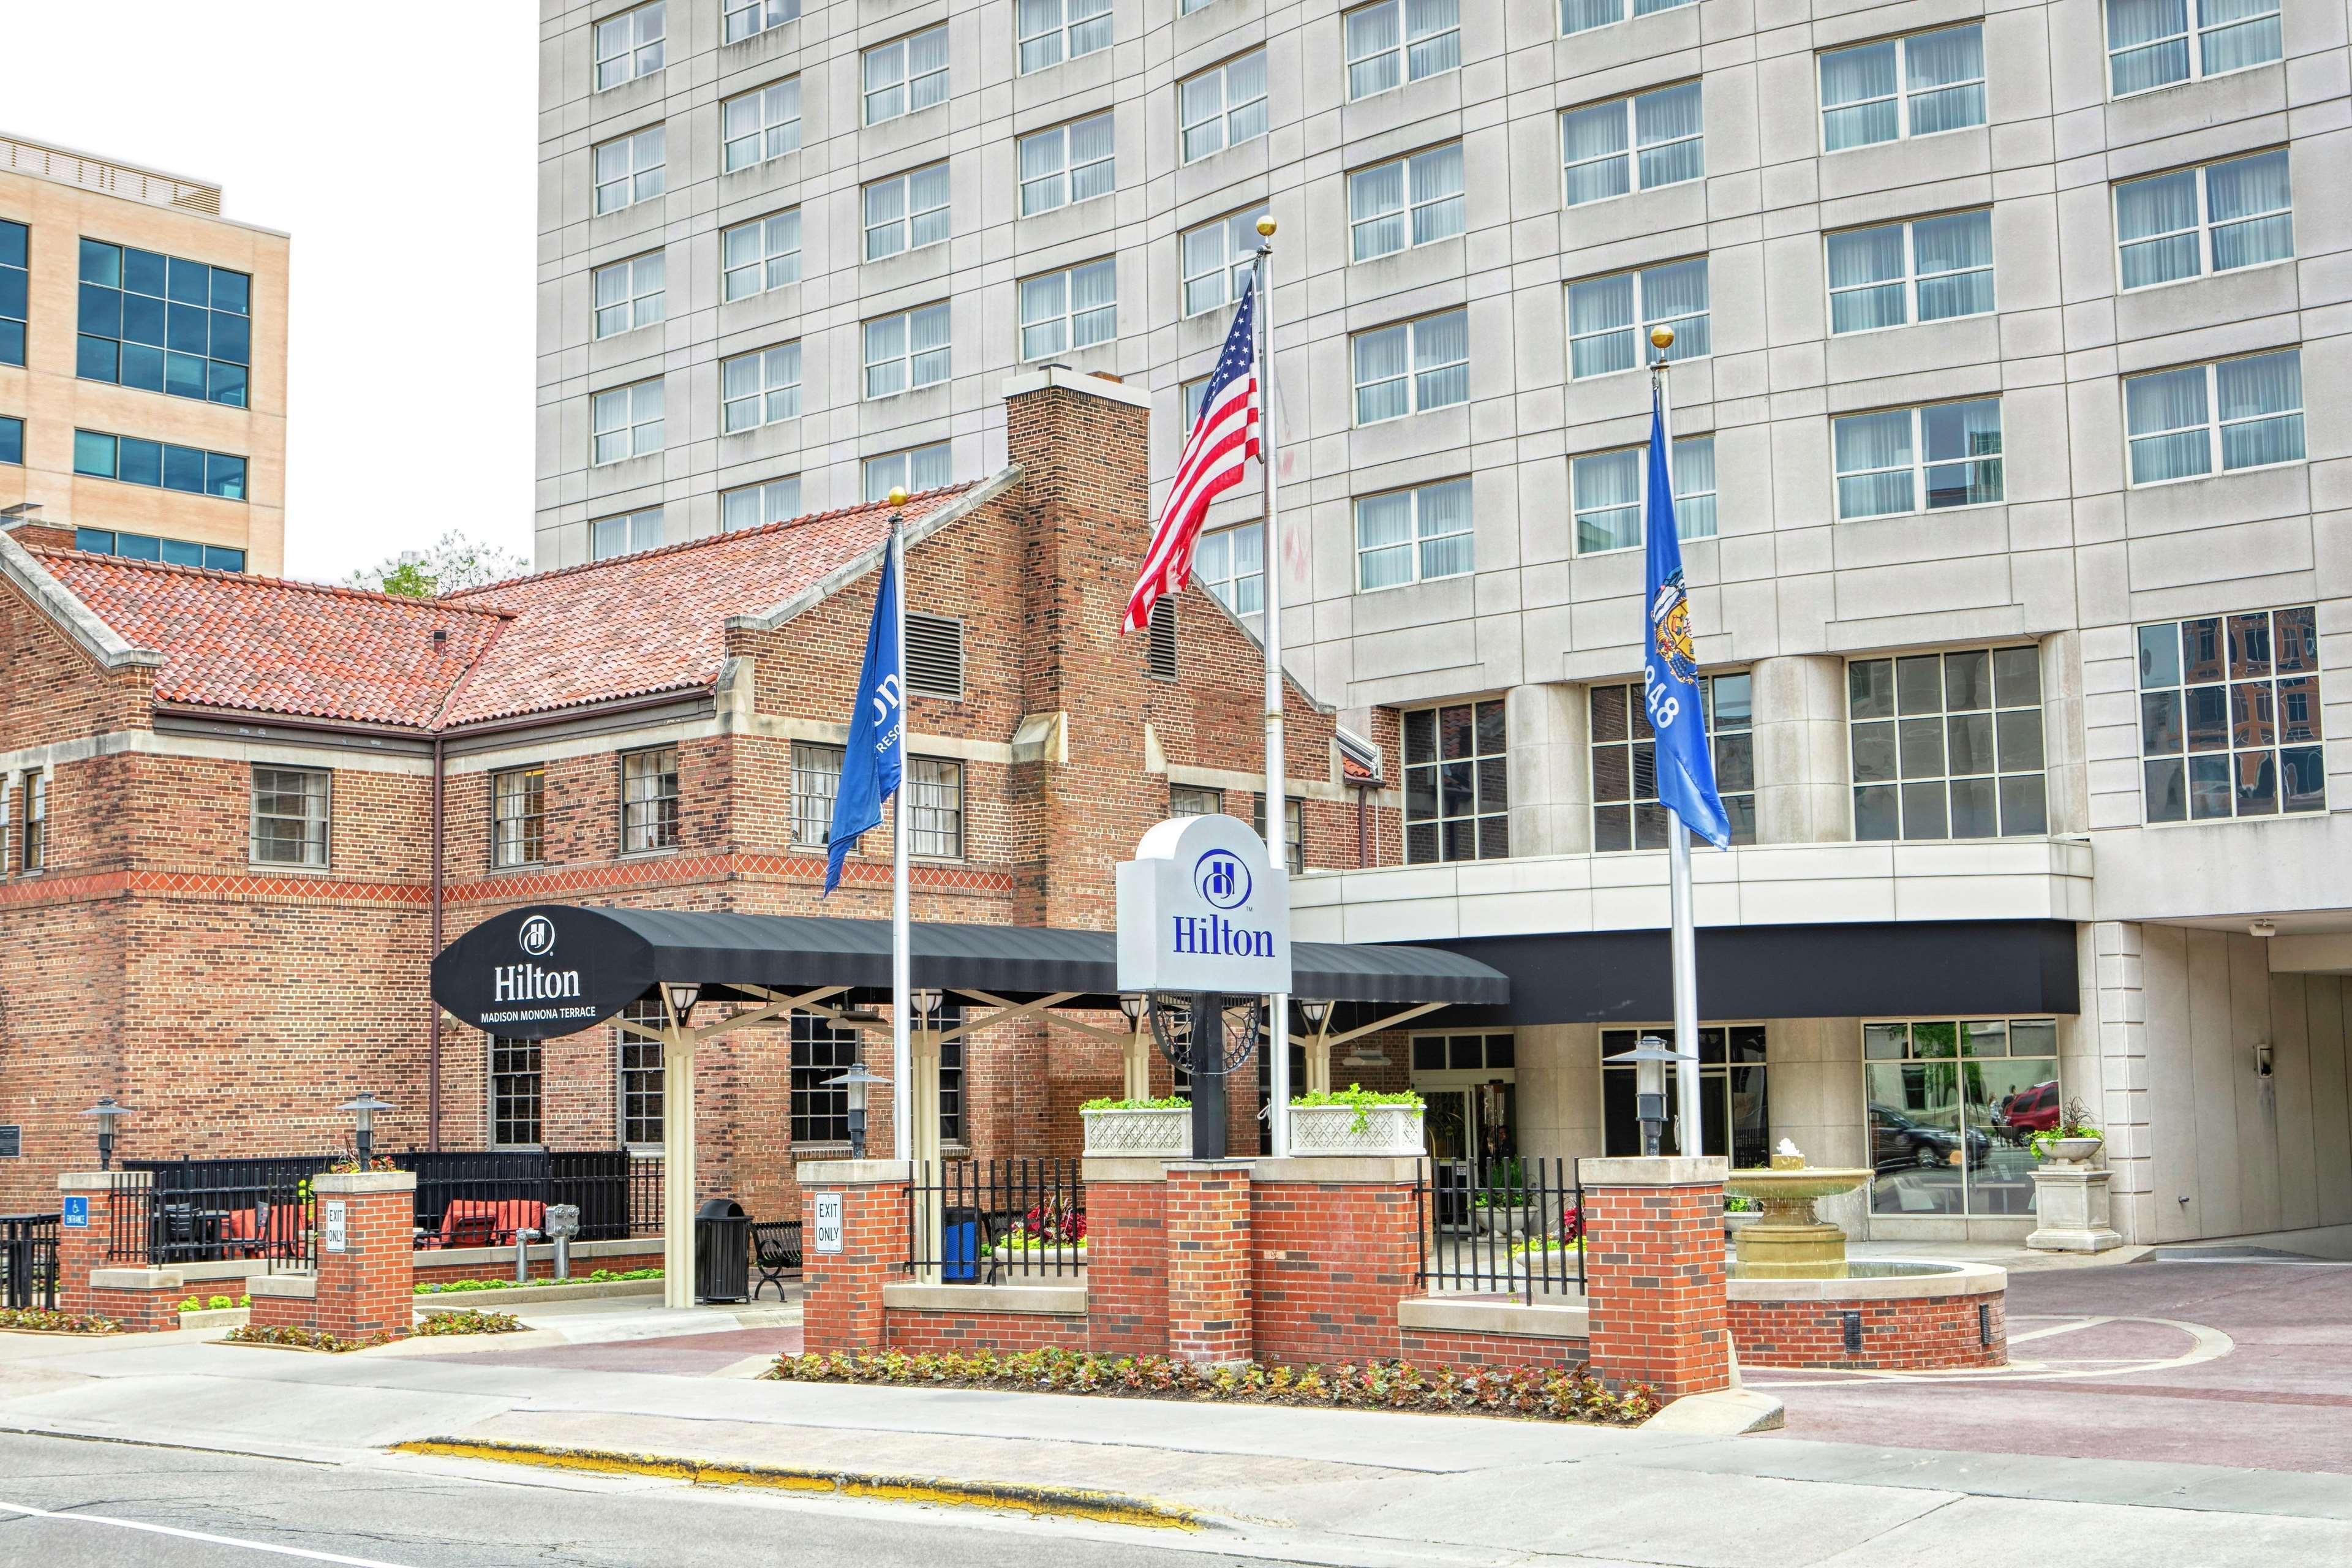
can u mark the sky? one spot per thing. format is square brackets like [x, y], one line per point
[399, 149]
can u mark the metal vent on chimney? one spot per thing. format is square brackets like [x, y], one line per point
[935, 657]
[1162, 659]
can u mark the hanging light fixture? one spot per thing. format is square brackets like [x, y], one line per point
[681, 997]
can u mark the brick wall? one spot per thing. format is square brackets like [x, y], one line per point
[1330, 1262]
[917, 1329]
[1210, 1312]
[1469, 1352]
[141, 1311]
[1654, 1273]
[370, 1287]
[1914, 1334]
[842, 1310]
[1126, 1268]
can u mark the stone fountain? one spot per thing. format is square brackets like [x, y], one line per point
[1790, 1241]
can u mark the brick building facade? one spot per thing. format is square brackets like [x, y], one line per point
[240, 811]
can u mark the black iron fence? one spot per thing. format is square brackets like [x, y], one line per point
[997, 1222]
[469, 1198]
[254, 1209]
[1503, 1228]
[28, 1261]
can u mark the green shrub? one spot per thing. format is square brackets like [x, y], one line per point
[601, 1277]
[469, 1322]
[1360, 1099]
[35, 1320]
[1172, 1103]
[292, 1338]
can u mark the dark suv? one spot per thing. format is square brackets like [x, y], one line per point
[1900, 1142]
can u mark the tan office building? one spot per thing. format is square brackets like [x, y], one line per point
[142, 362]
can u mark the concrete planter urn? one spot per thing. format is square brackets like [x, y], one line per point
[1387, 1130]
[1513, 1220]
[1141, 1135]
[2074, 1151]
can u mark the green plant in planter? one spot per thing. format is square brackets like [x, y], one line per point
[1172, 1103]
[221, 1303]
[1360, 1099]
[1738, 1205]
[2075, 1121]
[191, 1305]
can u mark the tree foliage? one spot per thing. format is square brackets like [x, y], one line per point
[450, 564]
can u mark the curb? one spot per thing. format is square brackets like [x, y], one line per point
[1062, 1502]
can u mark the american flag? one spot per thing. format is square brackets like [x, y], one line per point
[1223, 439]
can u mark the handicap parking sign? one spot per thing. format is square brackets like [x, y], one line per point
[77, 1213]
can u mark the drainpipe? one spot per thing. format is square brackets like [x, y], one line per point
[432, 1008]
[1363, 827]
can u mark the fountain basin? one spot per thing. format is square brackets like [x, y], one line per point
[1889, 1314]
[1786, 1241]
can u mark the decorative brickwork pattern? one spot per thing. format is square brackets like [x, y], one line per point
[1330, 1263]
[1914, 1334]
[842, 1310]
[1487, 1352]
[1126, 1268]
[917, 1329]
[1209, 1311]
[1654, 1282]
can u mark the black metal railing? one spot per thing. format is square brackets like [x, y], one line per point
[644, 1194]
[28, 1262]
[1502, 1227]
[207, 1211]
[996, 1222]
[478, 1198]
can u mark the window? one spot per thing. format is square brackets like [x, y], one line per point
[147, 547]
[161, 323]
[951, 1016]
[1162, 661]
[915, 470]
[1929, 270]
[1583, 16]
[907, 212]
[518, 816]
[626, 534]
[1734, 1119]
[1954, 1105]
[641, 1077]
[628, 294]
[749, 18]
[2229, 716]
[2148, 40]
[1192, 800]
[1625, 810]
[820, 1051]
[630, 45]
[1073, 163]
[2215, 418]
[1217, 258]
[1411, 536]
[1397, 41]
[628, 421]
[649, 800]
[1411, 367]
[760, 388]
[290, 817]
[1222, 107]
[33, 843]
[631, 169]
[1948, 745]
[1636, 143]
[1231, 563]
[934, 654]
[1072, 309]
[906, 350]
[755, 506]
[1457, 796]
[16, 290]
[1609, 488]
[2213, 219]
[1293, 831]
[1411, 201]
[1052, 31]
[515, 1082]
[816, 781]
[141, 462]
[906, 75]
[760, 254]
[12, 440]
[761, 124]
[1918, 459]
[1899, 88]
[935, 814]
[1608, 319]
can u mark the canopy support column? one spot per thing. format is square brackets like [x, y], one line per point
[923, 1136]
[678, 1164]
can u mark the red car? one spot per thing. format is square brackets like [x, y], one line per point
[2030, 1110]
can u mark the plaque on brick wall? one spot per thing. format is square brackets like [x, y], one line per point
[547, 970]
[827, 1207]
[12, 1143]
[334, 1226]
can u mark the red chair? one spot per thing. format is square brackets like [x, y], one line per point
[489, 1222]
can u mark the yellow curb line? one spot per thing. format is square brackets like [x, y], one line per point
[1105, 1508]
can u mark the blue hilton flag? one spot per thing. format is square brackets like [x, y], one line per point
[1670, 664]
[875, 757]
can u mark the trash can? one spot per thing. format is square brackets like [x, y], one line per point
[959, 1249]
[722, 1251]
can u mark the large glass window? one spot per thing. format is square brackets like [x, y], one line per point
[1222, 107]
[1625, 810]
[749, 18]
[632, 169]
[518, 816]
[1074, 309]
[918, 470]
[935, 817]
[2213, 219]
[1636, 143]
[761, 388]
[755, 506]
[816, 784]
[1193, 800]
[515, 1086]
[761, 124]
[906, 75]
[1918, 459]
[1397, 41]
[1414, 535]
[640, 1078]
[1929, 270]
[1231, 563]
[1411, 367]
[1954, 1105]
[1073, 163]
[1217, 257]
[1294, 830]
[15, 292]
[1457, 796]
[1608, 489]
[1408, 200]
[145, 546]
[907, 212]
[1897, 87]
[630, 45]
[2229, 716]
[1735, 1116]
[2215, 418]
[760, 254]
[629, 294]
[1608, 319]
[1583, 16]
[820, 1051]
[951, 1016]
[649, 800]
[32, 841]
[906, 350]
[627, 421]
[12, 440]
[136, 461]
[1948, 745]
[161, 323]
[1052, 31]
[2149, 41]
[291, 815]
[624, 533]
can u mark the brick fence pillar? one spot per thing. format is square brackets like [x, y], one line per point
[1208, 1223]
[1336, 1245]
[84, 1249]
[843, 1308]
[1654, 1273]
[368, 1285]
[1127, 1257]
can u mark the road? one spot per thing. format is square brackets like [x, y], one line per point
[112, 1505]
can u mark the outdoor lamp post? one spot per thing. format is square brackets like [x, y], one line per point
[1651, 1057]
[108, 1114]
[681, 997]
[363, 1111]
[856, 1081]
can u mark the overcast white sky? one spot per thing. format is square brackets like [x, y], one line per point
[399, 149]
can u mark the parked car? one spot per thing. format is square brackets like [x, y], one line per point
[1899, 1141]
[2034, 1109]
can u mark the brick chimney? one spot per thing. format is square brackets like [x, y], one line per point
[22, 522]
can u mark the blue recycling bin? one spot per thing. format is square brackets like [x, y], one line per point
[959, 1247]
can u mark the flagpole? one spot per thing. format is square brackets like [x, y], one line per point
[1691, 1138]
[902, 1055]
[1277, 800]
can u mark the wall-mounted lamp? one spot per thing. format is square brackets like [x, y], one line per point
[923, 1001]
[2262, 1058]
[1316, 1014]
[1132, 1004]
[2262, 928]
[681, 998]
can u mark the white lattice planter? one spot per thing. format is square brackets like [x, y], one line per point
[1392, 1129]
[1153, 1134]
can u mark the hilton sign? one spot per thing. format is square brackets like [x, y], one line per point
[1198, 912]
[536, 973]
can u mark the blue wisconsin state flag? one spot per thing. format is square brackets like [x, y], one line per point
[876, 758]
[1670, 664]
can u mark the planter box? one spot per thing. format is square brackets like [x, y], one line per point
[1141, 1135]
[1388, 1130]
[216, 1318]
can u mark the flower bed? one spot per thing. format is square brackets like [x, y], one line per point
[466, 1321]
[294, 1338]
[1538, 1393]
[599, 1276]
[35, 1320]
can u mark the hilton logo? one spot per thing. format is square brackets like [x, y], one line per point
[1221, 878]
[537, 936]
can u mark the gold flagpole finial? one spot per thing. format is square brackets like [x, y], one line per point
[897, 496]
